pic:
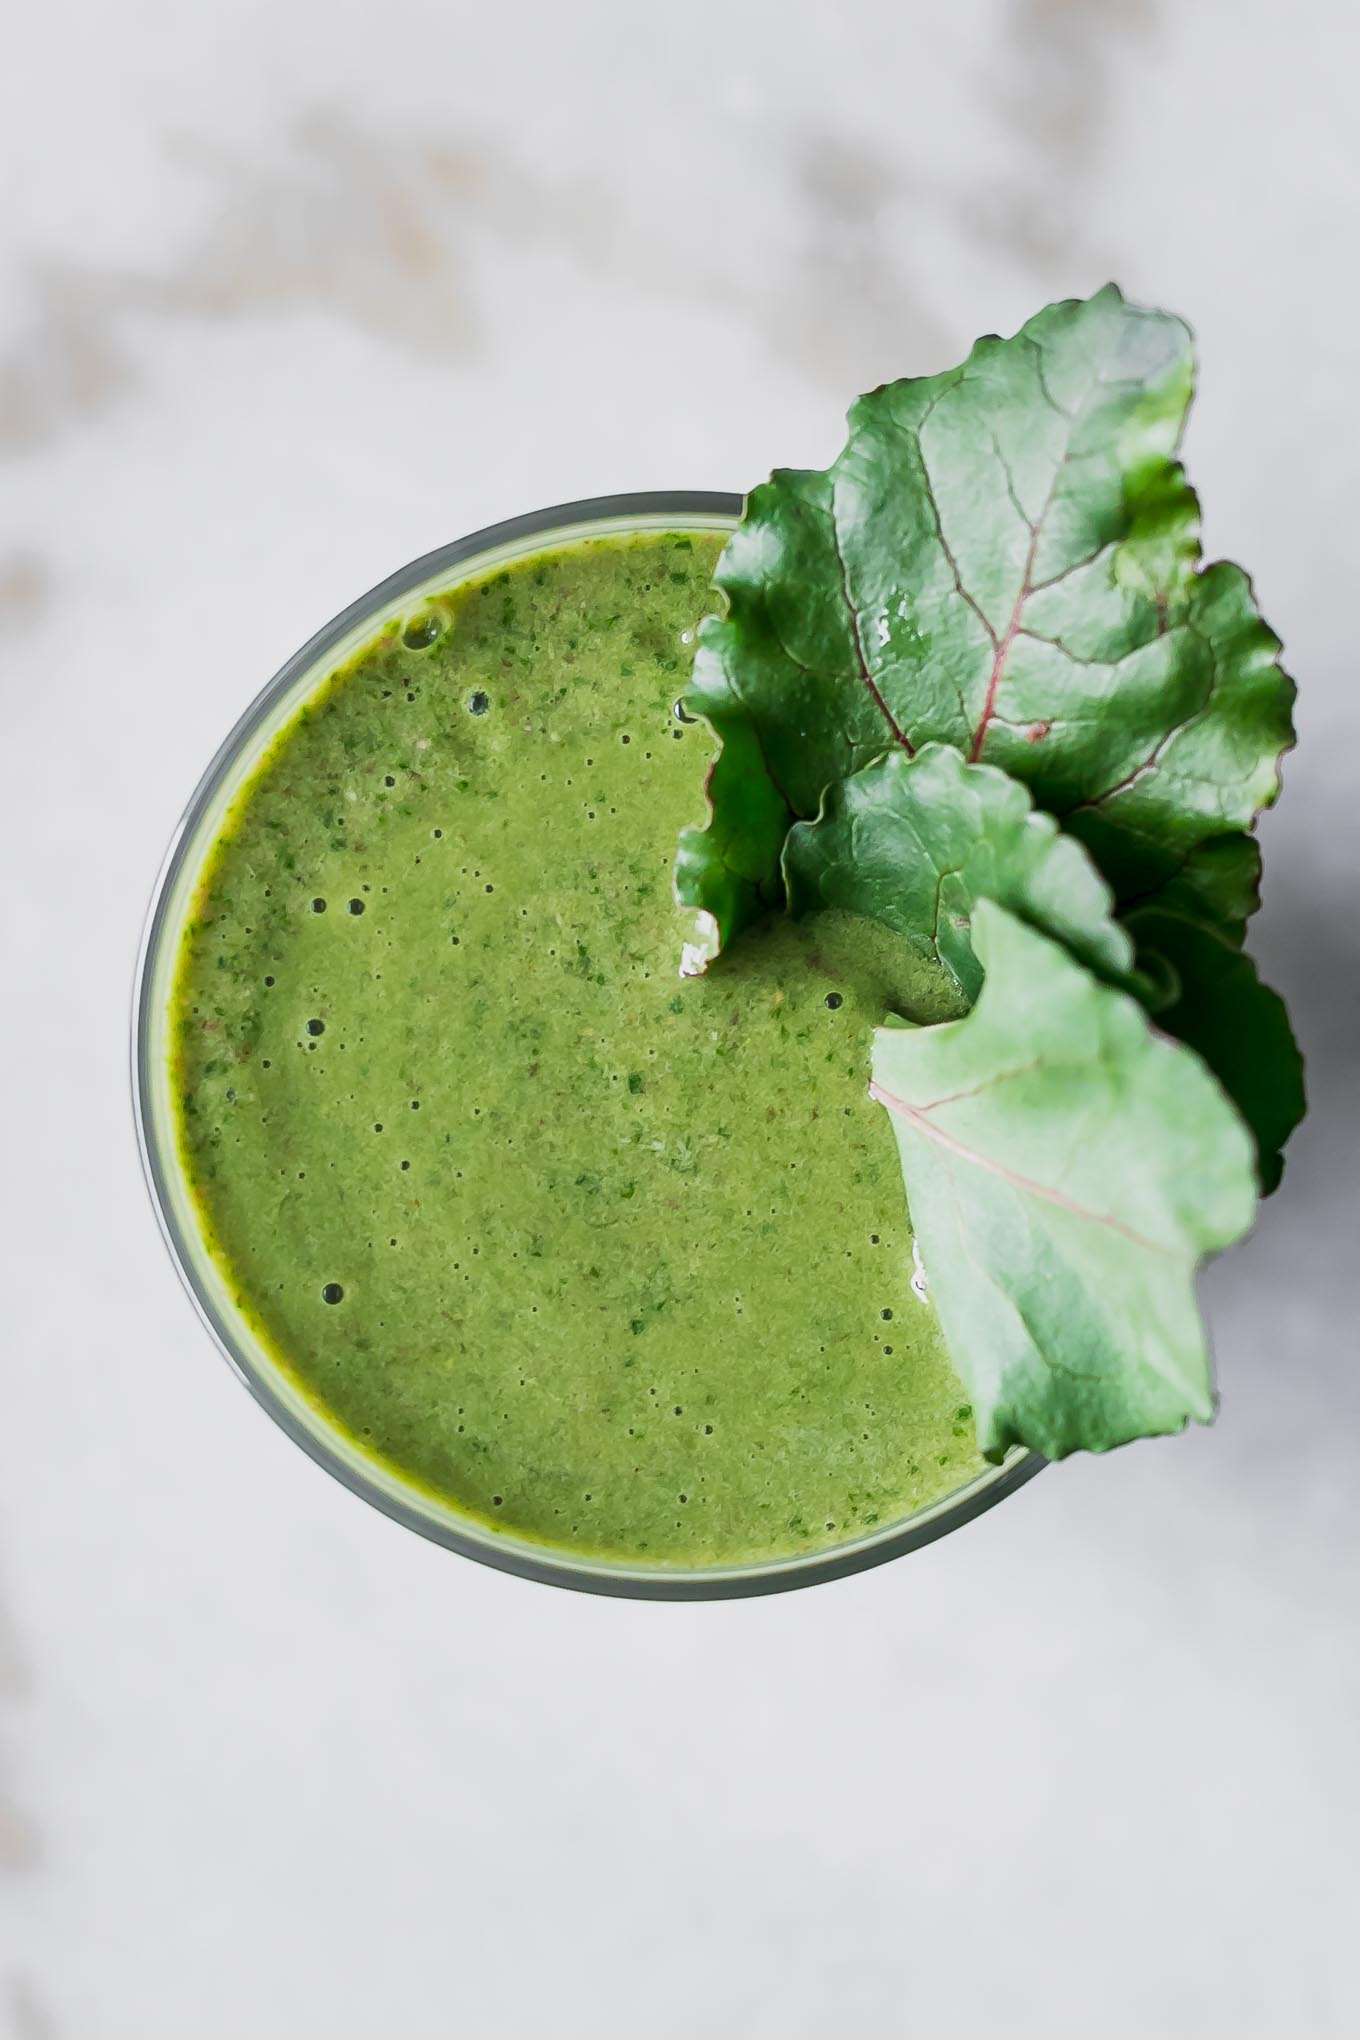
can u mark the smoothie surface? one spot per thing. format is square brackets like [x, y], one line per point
[611, 1260]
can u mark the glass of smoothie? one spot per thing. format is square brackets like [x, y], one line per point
[593, 1272]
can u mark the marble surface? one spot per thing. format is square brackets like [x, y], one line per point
[290, 293]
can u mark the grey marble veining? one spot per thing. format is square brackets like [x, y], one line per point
[289, 294]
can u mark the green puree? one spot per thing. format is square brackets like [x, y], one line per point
[617, 1261]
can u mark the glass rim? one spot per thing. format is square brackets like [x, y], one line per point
[322, 1439]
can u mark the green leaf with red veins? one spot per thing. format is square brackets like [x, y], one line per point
[1004, 558]
[1067, 1166]
[916, 842]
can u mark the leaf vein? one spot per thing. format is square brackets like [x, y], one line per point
[899, 735]
[917, 1118]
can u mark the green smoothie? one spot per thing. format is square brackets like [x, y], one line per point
[610, 1260]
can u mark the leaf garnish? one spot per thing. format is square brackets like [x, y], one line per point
[1217, 885]
[1003, 558]
[1235, 1023]
[914, 842]
[973, 681]
[1066, 1167]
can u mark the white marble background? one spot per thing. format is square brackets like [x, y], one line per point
[290, 292]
